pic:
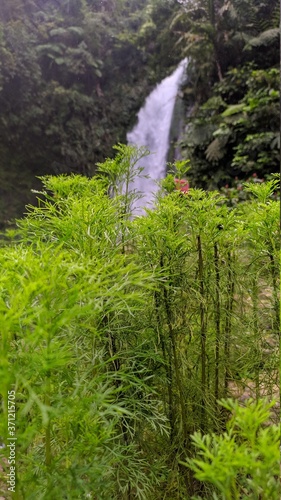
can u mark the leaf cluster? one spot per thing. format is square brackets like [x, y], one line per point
[244, 461]
[235, 132]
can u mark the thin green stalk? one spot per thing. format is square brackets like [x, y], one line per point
[203, 331]
[217, 323]
[116, 367]
[48, 451]
[176, 364]
[274, 277]
[228, 319]
[256, 333]
[168, 367]
[186, 438]
[125, 211]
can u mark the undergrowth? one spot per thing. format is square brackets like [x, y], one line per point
[120, 334]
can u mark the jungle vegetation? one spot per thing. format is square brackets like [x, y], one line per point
[142, 352]
[74, 73]
[236, 121]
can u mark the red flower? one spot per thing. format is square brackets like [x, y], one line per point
[182, 185]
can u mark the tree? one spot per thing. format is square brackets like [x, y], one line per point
[73, 76]
[215, 33]
[234, 126]
[235, 132]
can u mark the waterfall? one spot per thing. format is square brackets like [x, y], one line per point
[153, 132]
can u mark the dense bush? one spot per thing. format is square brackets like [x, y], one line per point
[120, 335]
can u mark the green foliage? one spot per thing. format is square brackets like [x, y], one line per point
[244, 461]
[235, 132]
[72, 77]
[267, 37]
[83, 390]
[120, 334]
[74, 74]
[233, 50]
[241, 191]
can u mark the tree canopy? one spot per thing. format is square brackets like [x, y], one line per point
[233, 46]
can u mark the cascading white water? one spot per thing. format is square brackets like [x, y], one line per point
[152, 131]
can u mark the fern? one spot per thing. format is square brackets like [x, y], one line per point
[215, 151]
[273, 19]
[265, 38]
[201, 134]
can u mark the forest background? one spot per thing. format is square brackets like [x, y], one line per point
[74, 73]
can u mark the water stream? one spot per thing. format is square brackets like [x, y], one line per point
[153, 132]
